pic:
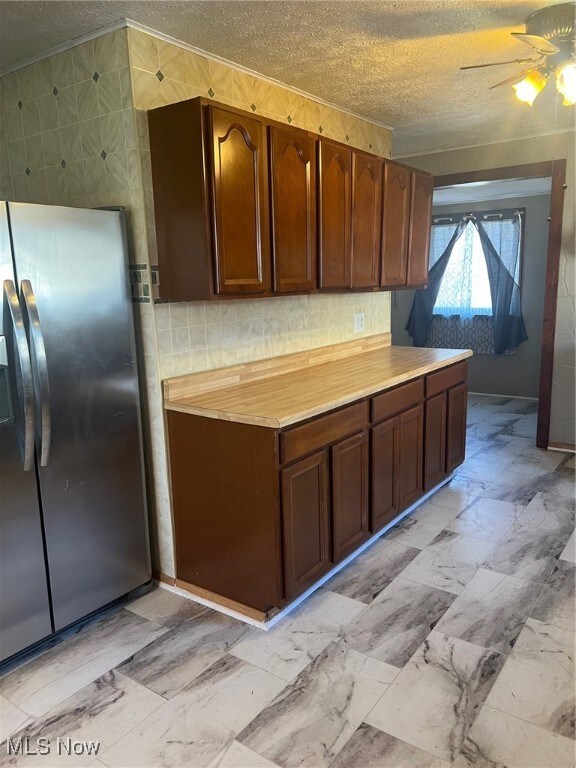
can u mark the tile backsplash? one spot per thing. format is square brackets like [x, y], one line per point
[202, 335]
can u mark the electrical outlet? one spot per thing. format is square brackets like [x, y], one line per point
[358, 322]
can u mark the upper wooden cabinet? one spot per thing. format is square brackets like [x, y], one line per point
[350, 195]
[334, 212]
[420, 223]
[239, 205]
[181, 195]
[211, 201]
[245, 206]
[366, 219]
[292, 158]
[406, 222]
[395, 225]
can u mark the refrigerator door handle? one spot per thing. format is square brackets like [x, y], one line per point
[15, 311]
[37, 338]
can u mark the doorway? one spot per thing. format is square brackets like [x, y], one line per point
[542, 185]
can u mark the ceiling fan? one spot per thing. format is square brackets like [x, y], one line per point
[551, 34]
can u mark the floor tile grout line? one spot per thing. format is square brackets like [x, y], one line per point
[522, 720]
[37, 720]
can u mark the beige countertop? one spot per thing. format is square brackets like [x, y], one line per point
[285, 390]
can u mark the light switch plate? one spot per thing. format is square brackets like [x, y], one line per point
[358, 322]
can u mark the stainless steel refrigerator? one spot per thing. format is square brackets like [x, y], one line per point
[73, 524]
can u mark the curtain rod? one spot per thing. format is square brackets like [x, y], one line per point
[497, 215]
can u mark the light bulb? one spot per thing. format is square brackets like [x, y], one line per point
[566, 82]
[530, 87]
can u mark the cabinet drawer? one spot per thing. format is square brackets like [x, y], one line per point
[400, 399]
[446, 378]
[323, 431]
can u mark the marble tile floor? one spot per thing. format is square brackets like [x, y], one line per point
[449, 642]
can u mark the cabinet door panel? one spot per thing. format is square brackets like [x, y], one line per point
[385, 474]
[293, 212]
[366, 220]
[456, 432]
[241, 245]
[410, 458]
[395, 224]
[435, 441]
[420, 224]
[334, 212]
[349, 494]
[305, 507]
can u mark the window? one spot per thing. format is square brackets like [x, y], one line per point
[473, 295]
[465, 287]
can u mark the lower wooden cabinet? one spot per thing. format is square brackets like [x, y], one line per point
[435, 441]
[385, 456]
[397, 459]
[324, 510]
[306, 524]
[445, 434]
[350, 477]
[410, 456]
[261, 514]
[456, 428]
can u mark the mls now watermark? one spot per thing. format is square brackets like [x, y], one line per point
[43, 746]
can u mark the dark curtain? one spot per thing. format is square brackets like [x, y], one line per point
[507, 320]
[420, 318]
[509, 327]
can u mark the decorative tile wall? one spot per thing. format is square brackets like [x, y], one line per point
[164, 73]
[68, 137]
[6, 189]
[74, 132]
[551, 147]
[71, 132]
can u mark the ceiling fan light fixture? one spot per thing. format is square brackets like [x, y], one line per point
[551, 33]
[528, 88]
[566, 82]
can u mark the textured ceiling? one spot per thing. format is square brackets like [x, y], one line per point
[500, 189]
[394, 62]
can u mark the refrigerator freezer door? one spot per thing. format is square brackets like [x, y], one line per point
[24, 606]
[91, 488]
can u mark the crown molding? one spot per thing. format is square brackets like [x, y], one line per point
[121, 24]
[131, 24]
[240, 68]
[483, 144]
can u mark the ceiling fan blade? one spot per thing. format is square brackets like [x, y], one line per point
[501, 63]
[539, 44]
[511, 80]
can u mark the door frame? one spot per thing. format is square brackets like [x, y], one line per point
[556, 169]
